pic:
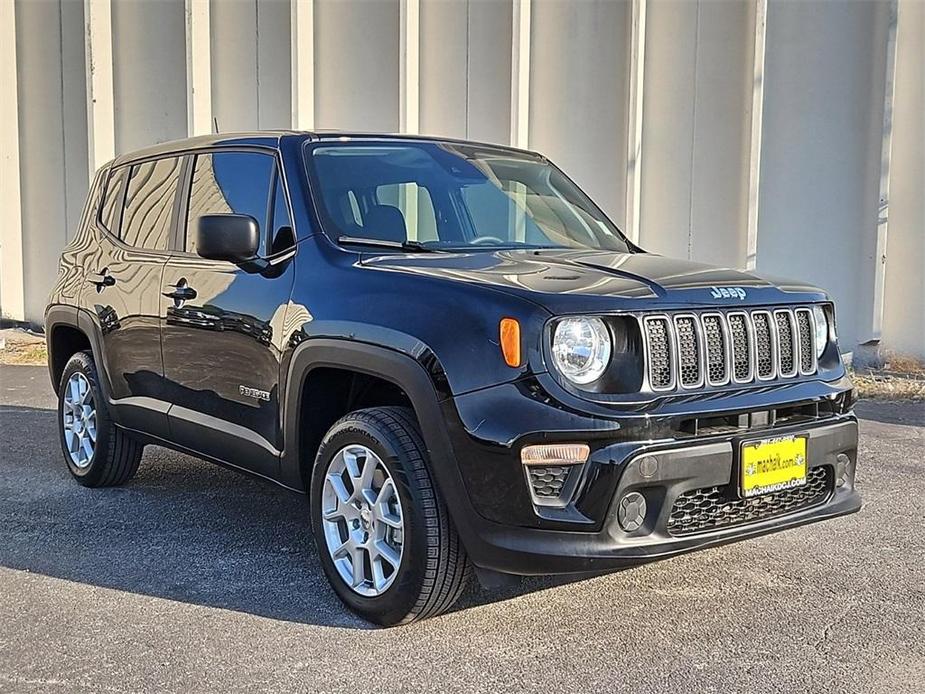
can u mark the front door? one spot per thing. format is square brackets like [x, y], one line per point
[122, 293]
[222, 323]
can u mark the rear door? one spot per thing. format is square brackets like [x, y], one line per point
[222, 327]
[124, 279]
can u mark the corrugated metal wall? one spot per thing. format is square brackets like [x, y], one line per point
[747, 134]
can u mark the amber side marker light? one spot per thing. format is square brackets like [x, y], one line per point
[555, 454]
[510, 341]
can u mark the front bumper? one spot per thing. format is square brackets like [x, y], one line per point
[518, 550]
[504, 531]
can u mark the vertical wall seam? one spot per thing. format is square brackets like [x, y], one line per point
[520, 74]
[755, 135]
[257, 58]
[409, 79]
[12, 276]
[101, 125]
[690, 198]
[886, 154]
[635, 119]
[302, 52]
[468, 62]
[63, 128]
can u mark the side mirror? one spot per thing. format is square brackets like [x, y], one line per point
[232, 237]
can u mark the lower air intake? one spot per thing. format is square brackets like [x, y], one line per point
[712, 508]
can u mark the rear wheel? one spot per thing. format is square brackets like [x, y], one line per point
[384, 536]
[97, 453]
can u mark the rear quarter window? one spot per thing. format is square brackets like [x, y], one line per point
[149, 201]
[111, 207]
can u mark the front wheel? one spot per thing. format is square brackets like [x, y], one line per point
[385, 539]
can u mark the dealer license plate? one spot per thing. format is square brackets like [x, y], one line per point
[771, 465]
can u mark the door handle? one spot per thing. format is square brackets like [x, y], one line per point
[181, 292]
[103, 279]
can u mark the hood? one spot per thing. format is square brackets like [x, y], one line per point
[567, 281]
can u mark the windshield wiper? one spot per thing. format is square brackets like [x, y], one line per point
[416, 246]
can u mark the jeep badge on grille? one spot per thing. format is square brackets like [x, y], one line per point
[727, 293]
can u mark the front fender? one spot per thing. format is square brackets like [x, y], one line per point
[415, 376]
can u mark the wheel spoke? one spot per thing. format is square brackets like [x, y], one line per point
[332, 514]
[345, 549]
[379, 578]
[336, 483]
[391, 520]
[369, 470]
[386, 552]
[87, 447]
[359, 568]
[352, 465]
[74, 387]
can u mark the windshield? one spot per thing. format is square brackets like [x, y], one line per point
[451, 197]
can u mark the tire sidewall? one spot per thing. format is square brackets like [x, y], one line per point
[91, 474]
[397, 602]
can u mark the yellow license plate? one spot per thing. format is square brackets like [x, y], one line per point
[771, 465]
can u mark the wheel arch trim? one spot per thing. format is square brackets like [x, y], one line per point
[395, 367]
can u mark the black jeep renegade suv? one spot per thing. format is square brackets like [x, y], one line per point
[451, 350]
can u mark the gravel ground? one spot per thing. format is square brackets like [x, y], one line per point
[194, 578]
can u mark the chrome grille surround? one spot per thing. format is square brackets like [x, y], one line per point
[787, 345]
[690, 350]
[742, 339]
[660, 356]
[806, 339]
[765, 349]
[686, 351]
[717, 342]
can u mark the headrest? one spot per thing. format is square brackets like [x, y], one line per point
[386, 223]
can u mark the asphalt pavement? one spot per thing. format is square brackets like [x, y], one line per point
[195, 578]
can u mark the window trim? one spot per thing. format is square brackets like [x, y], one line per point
[130, 164]
[178, 242]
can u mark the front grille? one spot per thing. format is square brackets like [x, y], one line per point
[687, 350]
[712, 508]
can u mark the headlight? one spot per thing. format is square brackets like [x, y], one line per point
[822, 329]
[581, 349]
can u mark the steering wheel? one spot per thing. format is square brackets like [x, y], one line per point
[482, 240]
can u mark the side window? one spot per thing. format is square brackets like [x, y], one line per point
[152, 188]
[112, 200]
[281, 235]
[415, 205]
[229, 183]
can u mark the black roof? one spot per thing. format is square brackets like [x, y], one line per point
[271, 138]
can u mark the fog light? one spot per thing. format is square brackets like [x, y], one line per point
[632, 511]
[842, 466]
[648, 466]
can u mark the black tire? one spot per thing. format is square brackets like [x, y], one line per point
[116, 454]
[434, 568]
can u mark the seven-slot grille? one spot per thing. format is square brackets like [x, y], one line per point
[689, 350]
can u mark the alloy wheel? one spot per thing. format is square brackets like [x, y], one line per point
[78, 416]
[362, 518]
